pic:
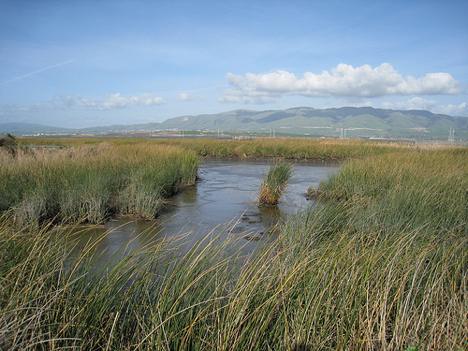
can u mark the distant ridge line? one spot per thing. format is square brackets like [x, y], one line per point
[302, 120]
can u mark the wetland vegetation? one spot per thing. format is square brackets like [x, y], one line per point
[90, 182]
[274, 184]
[379, 263]
[325, 150]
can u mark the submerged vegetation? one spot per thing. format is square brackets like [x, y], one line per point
[274, 184]
[380, 263]
[88, 183]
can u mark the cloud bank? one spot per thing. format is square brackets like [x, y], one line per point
[418, 103]
[110, 102]
[342, 81]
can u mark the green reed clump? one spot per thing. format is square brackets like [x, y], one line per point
[274, 183]
[8, 143]
[406, 189]
[88, 183]
[148, 186]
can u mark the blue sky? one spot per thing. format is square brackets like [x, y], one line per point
[86, 63]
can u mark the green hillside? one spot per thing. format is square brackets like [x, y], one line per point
[332, 122]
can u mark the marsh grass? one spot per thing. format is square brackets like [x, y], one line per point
[89, 183]
[349, 290]
[298, 149]
[274, 184]
[406, 189]
[379, 265]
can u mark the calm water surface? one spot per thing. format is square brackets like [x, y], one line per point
[223, 201]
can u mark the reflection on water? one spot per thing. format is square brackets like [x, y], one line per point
[223, 201]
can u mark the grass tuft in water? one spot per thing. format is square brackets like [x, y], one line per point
[274, 184]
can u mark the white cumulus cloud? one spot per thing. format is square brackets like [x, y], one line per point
[343, 80]
[455, 109]
[419, 103]
[184, 96]
[111, 101]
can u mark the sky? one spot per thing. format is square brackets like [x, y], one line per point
[90, 63]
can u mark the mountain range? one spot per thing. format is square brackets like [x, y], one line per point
[344, 121]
